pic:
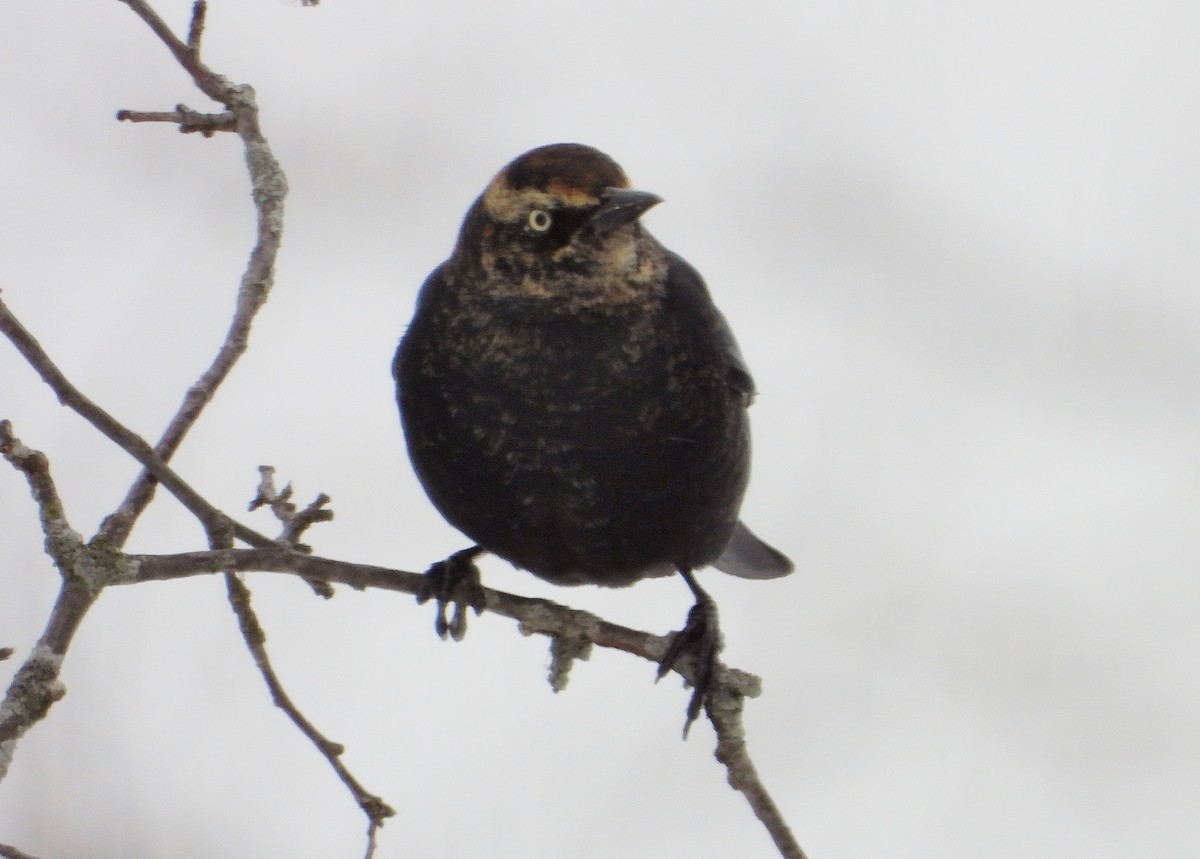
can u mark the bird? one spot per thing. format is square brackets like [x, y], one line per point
[573, 401]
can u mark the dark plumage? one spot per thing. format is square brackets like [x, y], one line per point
[571, 398]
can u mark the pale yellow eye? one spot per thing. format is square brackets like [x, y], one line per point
[539, 220]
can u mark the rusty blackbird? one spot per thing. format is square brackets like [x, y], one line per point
[574, 402]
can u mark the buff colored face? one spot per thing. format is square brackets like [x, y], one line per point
[539, 237]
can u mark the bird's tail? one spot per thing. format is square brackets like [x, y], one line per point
[748, 557]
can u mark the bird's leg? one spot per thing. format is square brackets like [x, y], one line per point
[700, 637]
[454, 580]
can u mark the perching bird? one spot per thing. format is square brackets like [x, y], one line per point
[574, 402]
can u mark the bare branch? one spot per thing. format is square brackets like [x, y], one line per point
[211, 84]
[725, 713]
[312, 514]
[61, 540]
[535, 616]
[267, 495]
[85, 570]
[571, 632]
[295, 523]
[189, 121]
[374, 807]
[36, 688]
[214, 521]
[196, 28]
[268, 187]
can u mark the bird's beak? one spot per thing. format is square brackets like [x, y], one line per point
[620, 206]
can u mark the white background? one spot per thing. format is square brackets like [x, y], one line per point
[958, 244]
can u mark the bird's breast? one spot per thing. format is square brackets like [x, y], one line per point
[553, 439]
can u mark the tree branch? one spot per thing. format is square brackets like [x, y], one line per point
[534, 615]
[268, 189]
[85, 571]
[189, 121]
[566, 627]
[61, 539]
[214, 521]
[209, 83]
[374, 807]
[196, 28]
[725, 713]
[295, 522]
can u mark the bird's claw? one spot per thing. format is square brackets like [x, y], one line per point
[701, 639]
[454, 580]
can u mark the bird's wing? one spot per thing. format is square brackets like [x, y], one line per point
[690, 295]
[426, 297]
[745, 555]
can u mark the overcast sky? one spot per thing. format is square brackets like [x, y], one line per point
[958, 244]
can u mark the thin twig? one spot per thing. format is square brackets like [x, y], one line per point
[196, 28]
[295, 522]
[372, 831]
[189, 121]
[374, 807]
[208, 82]
[13, 853]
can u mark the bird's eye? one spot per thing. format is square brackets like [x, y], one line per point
[539, 220]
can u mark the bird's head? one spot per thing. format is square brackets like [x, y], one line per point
[558, 220]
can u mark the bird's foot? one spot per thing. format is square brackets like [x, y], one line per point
[454, 580]
[701, 639]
